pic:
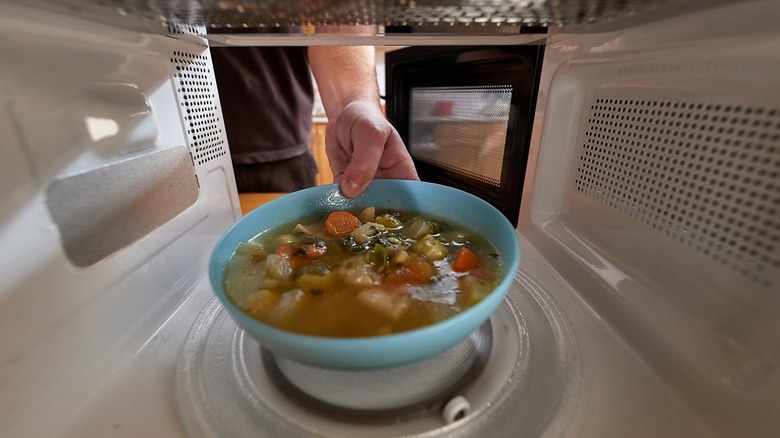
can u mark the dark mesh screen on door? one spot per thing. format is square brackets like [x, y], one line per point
[462, 129]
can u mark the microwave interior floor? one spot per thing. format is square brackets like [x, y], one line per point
[553, 369]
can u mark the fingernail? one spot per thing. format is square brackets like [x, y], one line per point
[352, 189]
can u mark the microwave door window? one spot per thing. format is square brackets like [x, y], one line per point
[461, 129]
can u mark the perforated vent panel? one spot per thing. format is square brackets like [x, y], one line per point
[196, 89]
[702, 173]
[176, 28]
[270, 13]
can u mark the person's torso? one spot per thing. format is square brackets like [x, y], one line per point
[266, 94]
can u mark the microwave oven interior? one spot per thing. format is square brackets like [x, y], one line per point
[648, 164]
[465, 114]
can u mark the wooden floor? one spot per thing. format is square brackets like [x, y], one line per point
[250, 201]
[324, 176]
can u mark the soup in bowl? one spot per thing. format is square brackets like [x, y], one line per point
[404, 271]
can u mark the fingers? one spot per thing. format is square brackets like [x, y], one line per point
[363, 145]
[369, 137]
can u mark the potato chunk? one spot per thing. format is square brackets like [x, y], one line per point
[245, 273]
[367, 215]
[315, 283]
[255, 251]
[357, 272]
[261, 302]
[473, 289]
[278, 267]
[392, 305]
[290, 301]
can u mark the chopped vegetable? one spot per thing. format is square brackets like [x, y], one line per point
[400, 258]
[278, 267]
[362, 233]
[350, 244]
[313, 250]
[243, 277]
[464, 260]
[377, 257]
[341, 223]
[290, 301]
[357, 272]
[261, 302]
[393, 242]
[389, 221]
[295, 255]
[367, 215]
[431, 248]
[415, 270]
[301, 229]
[313, 281]
[314, 247]
[391, 305]
[255, 251]
[420, 228]
[473, 289]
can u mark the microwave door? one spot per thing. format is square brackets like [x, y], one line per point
[465, 114]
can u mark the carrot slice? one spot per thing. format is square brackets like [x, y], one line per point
[464, 260]
[341, 223]
[296, 255]
[416, 271]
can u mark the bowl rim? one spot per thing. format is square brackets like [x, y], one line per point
[216, 267]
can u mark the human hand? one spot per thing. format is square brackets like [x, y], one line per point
[362, 145]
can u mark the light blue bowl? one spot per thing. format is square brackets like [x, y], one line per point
[378, 351]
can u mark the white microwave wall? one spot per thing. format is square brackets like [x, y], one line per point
[657, 191]
[99, 127]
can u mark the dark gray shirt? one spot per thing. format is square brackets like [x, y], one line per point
[266, 94]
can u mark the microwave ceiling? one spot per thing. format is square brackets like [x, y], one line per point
[364, 18]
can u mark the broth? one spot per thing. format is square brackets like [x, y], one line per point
[356, 274]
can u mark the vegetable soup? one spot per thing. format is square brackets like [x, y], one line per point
[361, 273]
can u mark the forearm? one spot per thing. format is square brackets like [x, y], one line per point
[344, 74]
